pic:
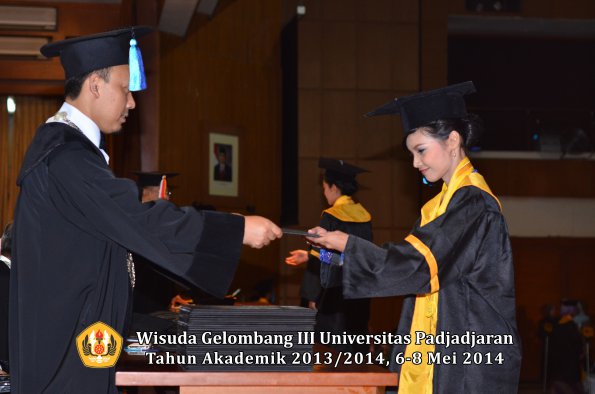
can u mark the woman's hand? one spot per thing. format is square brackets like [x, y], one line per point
[297, 257]
[335, 240]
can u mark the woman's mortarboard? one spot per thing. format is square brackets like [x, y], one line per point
[82, 55]
[338, 169]
[422, 108]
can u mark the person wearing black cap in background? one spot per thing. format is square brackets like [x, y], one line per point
[153, 290]
[154, 185]
[566, 352]
[336, 314]
[76, 225]
[455, 267]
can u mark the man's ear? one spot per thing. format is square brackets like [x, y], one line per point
[93, 86]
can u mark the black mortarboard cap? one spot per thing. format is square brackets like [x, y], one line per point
[425, 107]
[152, 178]
[81, 55]
[338, 169]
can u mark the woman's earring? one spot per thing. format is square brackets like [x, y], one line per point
[454, 154]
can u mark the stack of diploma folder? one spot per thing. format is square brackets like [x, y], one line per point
[247, 338]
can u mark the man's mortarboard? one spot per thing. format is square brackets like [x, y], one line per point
[338, 169]
[82, 55]
[422, 108]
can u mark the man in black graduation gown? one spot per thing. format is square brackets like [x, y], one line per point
[76, 226]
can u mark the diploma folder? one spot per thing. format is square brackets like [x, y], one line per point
[290, 231]
[245, 334]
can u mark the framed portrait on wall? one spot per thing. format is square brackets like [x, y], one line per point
[223, 164]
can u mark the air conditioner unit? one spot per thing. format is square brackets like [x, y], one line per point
[22, 46]
[27, 18]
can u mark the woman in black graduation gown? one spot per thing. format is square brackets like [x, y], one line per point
[336, 314]
[455, 267]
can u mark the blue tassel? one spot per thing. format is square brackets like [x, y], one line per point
[137, 71]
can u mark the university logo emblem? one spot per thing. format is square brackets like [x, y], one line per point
[99, 346]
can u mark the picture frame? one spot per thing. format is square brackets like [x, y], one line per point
[224, 157]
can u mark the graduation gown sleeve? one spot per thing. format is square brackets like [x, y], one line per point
[183, 241]
[441, 252]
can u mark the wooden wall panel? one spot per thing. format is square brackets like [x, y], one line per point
[339, 10]
[225, 76]
[378, 202]
[311, 201]
[406, 11]
[405, 62]
[339, 116]
[310, 50]
[374, 11]
[310, 115]
[434, 51]
[374, 135]
[338, 55]
[373, 56]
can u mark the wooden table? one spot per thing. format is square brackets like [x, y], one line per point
[323, 379]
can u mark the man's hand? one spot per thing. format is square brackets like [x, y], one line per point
[259, 231]
[297, 257]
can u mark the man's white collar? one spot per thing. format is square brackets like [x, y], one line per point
[70, 114]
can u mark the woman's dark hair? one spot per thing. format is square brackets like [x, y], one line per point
[469, 127]
[73, 85]
[347, 187]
